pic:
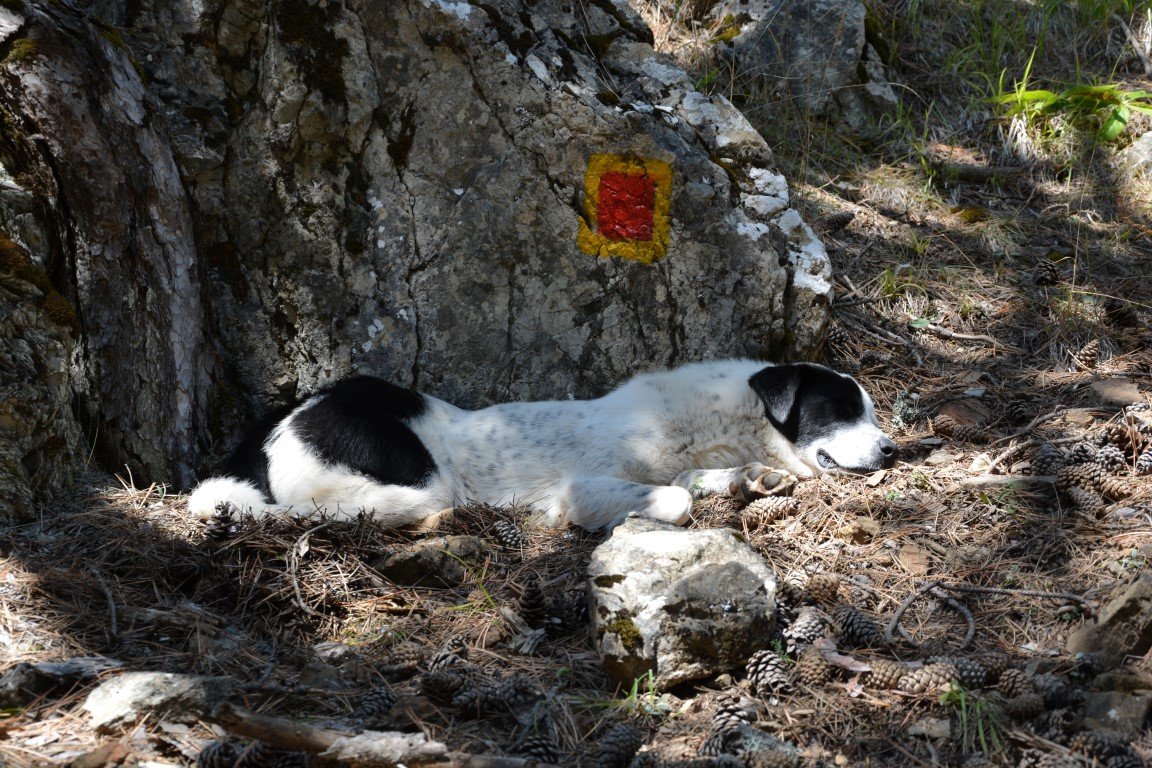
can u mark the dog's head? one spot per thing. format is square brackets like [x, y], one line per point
[826, 415]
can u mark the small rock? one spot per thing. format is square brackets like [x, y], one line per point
[1116, 391]
[683, 604]
[931, 727]
[180, 698]
[1116, 711]
[433, 562]
[1124, 626]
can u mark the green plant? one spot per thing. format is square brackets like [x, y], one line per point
[980, 720]
[643, 696]
[1106, 107]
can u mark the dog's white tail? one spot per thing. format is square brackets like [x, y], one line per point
[217, 490]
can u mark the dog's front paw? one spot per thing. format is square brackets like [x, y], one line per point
[757, 481]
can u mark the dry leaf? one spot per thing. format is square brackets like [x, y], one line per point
[914, 559]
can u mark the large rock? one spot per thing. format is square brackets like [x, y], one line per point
[487, 201]
[818, 50]
[1123, 627]
[682, 604]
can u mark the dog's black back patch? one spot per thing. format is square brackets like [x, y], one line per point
[248, 460]
[362, 423]
[807, 401]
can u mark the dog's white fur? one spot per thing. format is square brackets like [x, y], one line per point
[648, 446]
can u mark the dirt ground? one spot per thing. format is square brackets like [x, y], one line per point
[993, 293]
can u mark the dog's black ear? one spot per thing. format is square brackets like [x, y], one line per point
[777, 386]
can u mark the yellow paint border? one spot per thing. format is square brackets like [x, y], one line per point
[645, 251]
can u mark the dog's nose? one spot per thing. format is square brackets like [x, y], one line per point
[888, 452]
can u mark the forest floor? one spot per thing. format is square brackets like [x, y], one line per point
[993, 293]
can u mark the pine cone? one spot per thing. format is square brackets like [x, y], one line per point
[1113, 488]
[218, 754]
[1089, 502]
[1144, 463]
[1057, 725]
[929, 678]
[768, 673]
[1088, 356]
[943, 425]
[1086, 476]
[886, 674]
[1014, 682]
[946, 426]
[1025, 706]
[454, 653]
[835, 336]
[1048, 461]
[517, 693]
[478, 699]
[1051, 760]
[257, 754]
[1111, 458]
[834, 222]
[973, 674]
[1045, 273]
[402, 660]
[1099, 745]
[538, 747]
[618, 746]
[822, 589]
[1081, 453]
[533, 605]
[223, 523]
[509, 535]
[444, 685]
[1125, 761]
[769, 509]
[808, 626]
[791, 589]
[1021, 410]
[812, 668]
[994, 665]
[857, 628]
[375, 704]
[731, 713]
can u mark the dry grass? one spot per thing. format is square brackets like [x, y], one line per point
[937, 291]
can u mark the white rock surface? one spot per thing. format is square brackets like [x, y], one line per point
[684, 604]
[180, 698]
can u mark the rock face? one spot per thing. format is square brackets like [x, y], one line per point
[486, 201]
[682, 604]
[818, 48]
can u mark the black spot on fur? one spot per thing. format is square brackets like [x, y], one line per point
[248, 461]
[362, 423]
[806, 401]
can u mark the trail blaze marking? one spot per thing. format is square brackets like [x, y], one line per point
[626, 201]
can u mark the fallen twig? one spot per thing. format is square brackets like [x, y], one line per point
[947, 334]
[1001, 480]
[294, 564]
[368, 748]
[936, 589]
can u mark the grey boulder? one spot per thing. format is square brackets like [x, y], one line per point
[681, 604]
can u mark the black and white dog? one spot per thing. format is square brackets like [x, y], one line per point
[651, 445]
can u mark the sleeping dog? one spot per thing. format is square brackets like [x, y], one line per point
[651, 446]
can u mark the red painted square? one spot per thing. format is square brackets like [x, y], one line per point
[627, 205]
